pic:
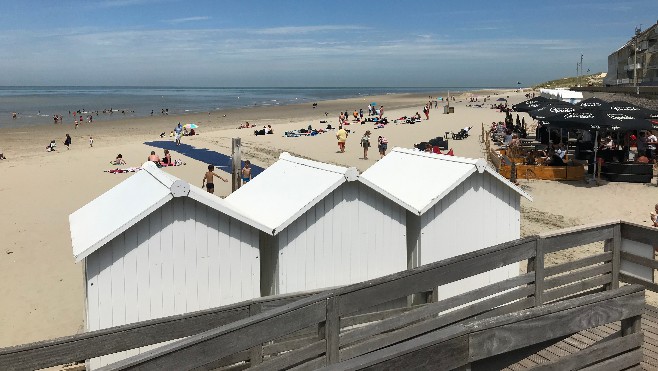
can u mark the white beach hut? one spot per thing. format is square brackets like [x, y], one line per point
[325, 229]
[155, 246]
[454, 206]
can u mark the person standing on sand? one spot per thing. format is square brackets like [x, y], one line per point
[208, 178]
[177, 133]
[381, 112]
[246, 172]
[91, 141]
[341, 135]
[365, 143]
[382, 145]
[67, 141]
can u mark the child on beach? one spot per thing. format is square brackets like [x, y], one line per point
[208, 178]
[246, 172]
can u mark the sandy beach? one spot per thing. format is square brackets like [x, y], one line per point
[42, 293]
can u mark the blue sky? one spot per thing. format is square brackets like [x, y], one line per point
[310, 43]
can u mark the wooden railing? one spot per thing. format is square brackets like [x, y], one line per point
[334, 326]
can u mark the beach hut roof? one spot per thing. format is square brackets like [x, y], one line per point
[418, 180]
[116, 210]
[287, 189]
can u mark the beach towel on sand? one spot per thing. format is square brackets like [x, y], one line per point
[122, 171]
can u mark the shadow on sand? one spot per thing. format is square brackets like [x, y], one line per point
[220, 161]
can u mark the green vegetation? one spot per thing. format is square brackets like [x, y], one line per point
[567, 82]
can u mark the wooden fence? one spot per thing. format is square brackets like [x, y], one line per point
[346, 327]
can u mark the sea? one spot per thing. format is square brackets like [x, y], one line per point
[36, 105]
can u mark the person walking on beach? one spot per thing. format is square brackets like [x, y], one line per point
[246, 172]
[67, 141]
[382, 145]
[178, 130]
[91, 141]
[208, 178]
[341, 135]
[381, 112]
[426, 111]
[365, 143]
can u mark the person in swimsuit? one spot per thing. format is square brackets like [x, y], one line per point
[167, 158]
[246, 172]
[154, 158]
[208, 178]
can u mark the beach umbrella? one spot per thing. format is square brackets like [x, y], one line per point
[631, 109]
[597, 119]
[191, 126]
[533, 104]
[552, 109]
[586, 119]
[593, 104]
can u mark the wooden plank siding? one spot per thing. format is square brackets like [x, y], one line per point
[181, 258]
[481, 201]
[352, 235]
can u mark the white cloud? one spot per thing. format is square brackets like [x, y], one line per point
[293, 30]
[187, 19]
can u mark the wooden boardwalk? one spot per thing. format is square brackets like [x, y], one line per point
[585, 314]
[584, 339]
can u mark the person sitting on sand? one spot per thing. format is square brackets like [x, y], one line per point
[2, 155]
[51, 146]
[167, 157]
[154, 158]
[119, 160]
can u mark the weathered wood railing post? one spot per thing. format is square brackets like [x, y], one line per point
[256, 353]
[236, 164]
[614, 245]
[631, 325]
[332, 330]
[536, 265]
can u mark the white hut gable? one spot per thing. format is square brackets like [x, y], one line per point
[418, 180]
[325, 228]
[156, 246]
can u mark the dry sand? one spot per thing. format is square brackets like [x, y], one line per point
[42, 287]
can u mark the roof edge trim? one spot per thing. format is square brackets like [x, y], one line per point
[91, 249]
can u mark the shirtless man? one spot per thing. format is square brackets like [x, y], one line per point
[207, 179]
[154, 158]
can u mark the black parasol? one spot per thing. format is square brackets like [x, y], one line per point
[552, 109]
[593, 104]
[631, 109]
[586, 119]
[533, 104]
